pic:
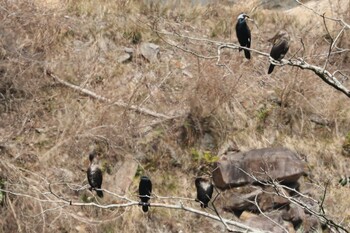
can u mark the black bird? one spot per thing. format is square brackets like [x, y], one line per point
[280, 47]
[145, 190]
[204, 191]
[94, 174]
[243, 33]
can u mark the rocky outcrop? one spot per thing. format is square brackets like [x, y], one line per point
[248, 193]
[236, 169]
[248, 197]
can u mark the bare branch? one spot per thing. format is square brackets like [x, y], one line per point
[186, 50]
[221, 219]
[65, 203]
[257, 206]
[19, 228]
[277, 187]
[324, 74]
[329, 18]
[331, 44]
[144, 111]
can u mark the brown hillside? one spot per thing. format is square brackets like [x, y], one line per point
[48, 129]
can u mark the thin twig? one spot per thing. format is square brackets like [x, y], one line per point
[331, 44]
[223, 222]
[19, 228]
[329, 18]
[322, 216]
[261, 212]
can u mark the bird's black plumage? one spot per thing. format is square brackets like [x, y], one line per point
[204, 191]
[145, 190]
[280, 47]
[94, 174]
[243, 33]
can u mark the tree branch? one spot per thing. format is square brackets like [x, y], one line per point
[144, 111]
[261, 212]
[324, 74]
[329, 18]
[65, 203]
[277, 187]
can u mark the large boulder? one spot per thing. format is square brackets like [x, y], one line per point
[237, 169]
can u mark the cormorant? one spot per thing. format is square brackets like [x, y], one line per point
[280, 47]
[243, 33]
[145, 190]
[204, 191]
[94, 174]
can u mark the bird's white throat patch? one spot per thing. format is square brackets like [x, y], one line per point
[241, 16]
[205, 185]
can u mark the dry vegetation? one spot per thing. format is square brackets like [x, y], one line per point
[48, 129]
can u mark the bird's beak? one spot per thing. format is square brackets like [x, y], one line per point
[246, 16]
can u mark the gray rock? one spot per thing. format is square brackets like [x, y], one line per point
[263, 222]
[123, 178]
[150, 51]
[269, 200]
[277, 4]
[228, 146]
[240, 198]
[294, 214]
[246, 197]
[280, 164]
[129, 50]
[208, 142]
[124, 58]
[310, 224]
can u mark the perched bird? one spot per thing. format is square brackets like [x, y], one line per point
[94, 174]
[204, 191]
[243, 33]
[280, 47]
[145, 190]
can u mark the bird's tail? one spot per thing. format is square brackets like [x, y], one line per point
[145, 208]
[247, 54]
[99, 193]
[271, 68]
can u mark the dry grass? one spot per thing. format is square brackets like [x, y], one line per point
[47, 130]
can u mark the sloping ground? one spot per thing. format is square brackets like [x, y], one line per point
[48, 129]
